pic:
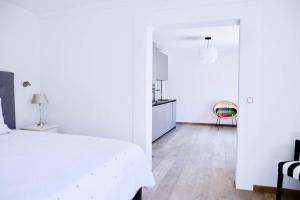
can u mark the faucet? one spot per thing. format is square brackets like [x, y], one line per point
[161, 89]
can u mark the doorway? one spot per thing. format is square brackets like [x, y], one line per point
[195, 85]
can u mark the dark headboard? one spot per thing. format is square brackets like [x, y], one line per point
[7, 96]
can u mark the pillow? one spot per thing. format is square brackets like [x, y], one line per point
[3, 127]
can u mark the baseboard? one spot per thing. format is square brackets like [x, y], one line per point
[268, 189]
[206, 124]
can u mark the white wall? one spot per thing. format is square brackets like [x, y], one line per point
[19, 53]
[269, 68]
[197, 87]
[277, 88]
[69, 53]
[262, 139]
[87, 72]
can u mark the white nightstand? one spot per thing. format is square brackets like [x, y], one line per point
[46, 128]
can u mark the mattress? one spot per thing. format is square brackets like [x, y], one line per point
[49, 166]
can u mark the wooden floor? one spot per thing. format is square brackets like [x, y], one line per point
[197, 162]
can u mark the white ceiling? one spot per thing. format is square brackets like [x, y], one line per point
[46, 6]
[190, 39]
[168, 38]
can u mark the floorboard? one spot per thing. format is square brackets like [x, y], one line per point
[197, 162]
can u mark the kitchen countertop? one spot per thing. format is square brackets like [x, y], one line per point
[164, 101]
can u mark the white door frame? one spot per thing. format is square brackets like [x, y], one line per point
[249, 40]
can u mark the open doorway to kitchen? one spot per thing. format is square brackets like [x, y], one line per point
[195, 92]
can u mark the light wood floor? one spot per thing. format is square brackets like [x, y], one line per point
[197, 162]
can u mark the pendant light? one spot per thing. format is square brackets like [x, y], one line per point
[209, 54]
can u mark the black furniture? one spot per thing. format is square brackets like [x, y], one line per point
[7, 96]
[289, 168]
[138, 195]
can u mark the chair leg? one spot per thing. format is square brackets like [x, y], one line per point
[219, 124]
[279, 186]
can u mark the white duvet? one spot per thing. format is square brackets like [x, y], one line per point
[48, 166]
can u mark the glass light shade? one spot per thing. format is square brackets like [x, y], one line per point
[208, 55]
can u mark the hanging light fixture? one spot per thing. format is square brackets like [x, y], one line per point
[209, 54]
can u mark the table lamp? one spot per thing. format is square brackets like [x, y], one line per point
[39, 99]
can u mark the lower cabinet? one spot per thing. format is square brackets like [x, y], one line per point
[174, 114]
[163, 119]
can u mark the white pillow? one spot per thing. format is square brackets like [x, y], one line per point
[3, 127]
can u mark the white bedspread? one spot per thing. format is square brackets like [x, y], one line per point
[48, 166]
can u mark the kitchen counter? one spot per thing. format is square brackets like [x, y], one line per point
[163, 101]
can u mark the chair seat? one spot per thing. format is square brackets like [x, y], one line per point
[290, 168]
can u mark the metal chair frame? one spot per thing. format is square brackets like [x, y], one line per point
[218, 123]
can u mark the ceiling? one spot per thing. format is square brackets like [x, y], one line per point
[46, 6]
[224, 38]
[178, 37]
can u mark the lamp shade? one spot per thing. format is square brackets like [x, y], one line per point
[208, 55]
[39, 99]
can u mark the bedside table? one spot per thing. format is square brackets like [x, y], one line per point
[45, 128]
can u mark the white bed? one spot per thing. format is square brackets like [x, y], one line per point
[49, 166]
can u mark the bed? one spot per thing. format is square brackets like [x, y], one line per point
[49, 166]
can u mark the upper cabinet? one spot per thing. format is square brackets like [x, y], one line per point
[160, 65]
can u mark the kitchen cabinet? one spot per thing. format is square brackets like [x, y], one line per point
[160, 65]
[173, 123]
[163, 119]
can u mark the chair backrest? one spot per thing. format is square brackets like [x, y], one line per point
[225, 109]
[226, 112]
